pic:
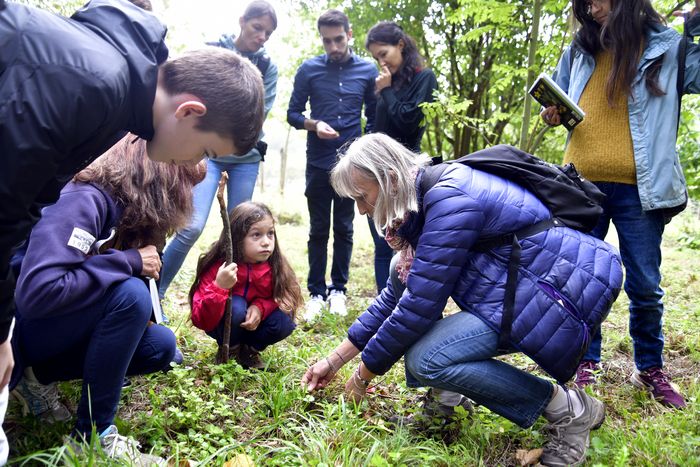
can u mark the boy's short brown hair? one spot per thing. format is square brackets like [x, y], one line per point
[230, 86]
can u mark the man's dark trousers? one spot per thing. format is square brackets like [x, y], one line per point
[321, 198]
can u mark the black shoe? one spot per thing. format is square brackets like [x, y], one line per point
[249, 358]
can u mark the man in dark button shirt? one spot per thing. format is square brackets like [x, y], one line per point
[336, 84]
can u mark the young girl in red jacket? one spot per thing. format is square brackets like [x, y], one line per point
[266, 293]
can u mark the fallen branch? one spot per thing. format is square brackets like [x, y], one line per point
[222, 355]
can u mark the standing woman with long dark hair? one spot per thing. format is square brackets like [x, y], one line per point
[257, 24]
[403, 84]
[622, 69]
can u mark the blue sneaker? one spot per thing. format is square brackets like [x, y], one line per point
[42, 400]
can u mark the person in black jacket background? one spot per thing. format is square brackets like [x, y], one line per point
[70, 89]
[402, 86]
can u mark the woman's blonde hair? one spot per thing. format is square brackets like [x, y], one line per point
[381, 159]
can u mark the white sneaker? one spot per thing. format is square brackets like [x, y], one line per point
[314, 307]
[117, 446]
[336, 303]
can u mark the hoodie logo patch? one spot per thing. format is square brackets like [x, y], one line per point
[81, 240]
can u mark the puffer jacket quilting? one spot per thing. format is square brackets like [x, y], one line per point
[468, 204]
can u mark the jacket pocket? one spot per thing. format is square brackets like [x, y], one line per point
[548, 327]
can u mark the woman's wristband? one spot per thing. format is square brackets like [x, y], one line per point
[330, 364]
[340, 356]
[365, 382]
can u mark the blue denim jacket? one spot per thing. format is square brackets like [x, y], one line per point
[653, 119]
[269, 84]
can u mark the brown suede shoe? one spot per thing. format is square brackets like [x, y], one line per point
[249, 358]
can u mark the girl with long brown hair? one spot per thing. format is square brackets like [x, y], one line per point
[258, 23]
[622, 69]
[266, 293]
[84, 310]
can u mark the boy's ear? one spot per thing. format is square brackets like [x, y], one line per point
[190, 107]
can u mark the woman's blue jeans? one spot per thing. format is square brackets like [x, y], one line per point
[639, 233]
[241, 183]
[100, 344]
[457, 354]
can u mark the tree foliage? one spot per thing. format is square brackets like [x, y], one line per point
[478, 50]
[62, 7]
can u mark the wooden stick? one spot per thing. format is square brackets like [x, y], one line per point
[222, 356]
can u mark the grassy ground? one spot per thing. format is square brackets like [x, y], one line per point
[209, 413]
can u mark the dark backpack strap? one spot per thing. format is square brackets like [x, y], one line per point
[263, 63]
[572, 57]
[509, 296]
[431, 175]
[488, 243]
[512, 276]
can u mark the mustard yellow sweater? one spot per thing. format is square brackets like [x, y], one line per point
[601, 145]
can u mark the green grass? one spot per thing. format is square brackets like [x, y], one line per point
[210, 413]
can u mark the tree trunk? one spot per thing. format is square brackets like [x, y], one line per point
[283, 160]
[531, 58]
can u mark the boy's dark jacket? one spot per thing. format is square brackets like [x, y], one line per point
[69, 90]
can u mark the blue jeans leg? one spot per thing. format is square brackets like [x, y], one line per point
[240, 188]
[640, 234]
[177, 248]
[95, 343]
[456, 354]
[241, 181]
[239, 309]
[155, 351]
[276, 327]
[382, 257]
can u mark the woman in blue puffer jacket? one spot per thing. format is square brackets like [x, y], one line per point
[436, 232]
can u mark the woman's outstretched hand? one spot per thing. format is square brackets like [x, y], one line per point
[318, 375]
[355, 389]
